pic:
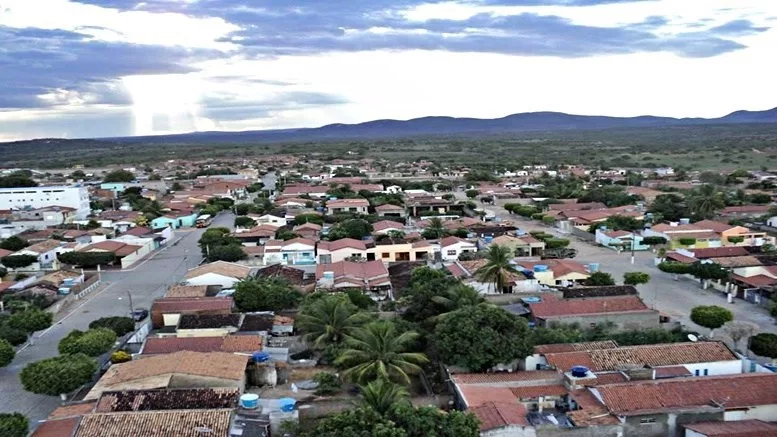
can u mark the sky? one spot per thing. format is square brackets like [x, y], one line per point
[102, 68]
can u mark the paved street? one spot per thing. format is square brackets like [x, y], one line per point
[674, 298]
[146, 282]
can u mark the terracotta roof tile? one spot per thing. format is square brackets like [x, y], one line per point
[179, 423]
[44, 246]
[533, 392]
[71, 410]
[220, 267]
[343, 243]
[734, 391]
[175, 399]
[186, 291]
[550, 308]
[356, 270]
[493, 415]
[57, 428]
[477, 395]
[191, 305]
[610, 378]
[739, 428]
[756, 280]
[672, 372]
[574, 347]
[591, 412]
[715, 252]
[505, 377]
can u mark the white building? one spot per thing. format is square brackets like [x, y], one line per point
[42, 197]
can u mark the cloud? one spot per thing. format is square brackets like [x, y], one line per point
[737, 28]
[234, 109]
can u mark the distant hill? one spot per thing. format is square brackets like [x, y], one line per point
[440, 126]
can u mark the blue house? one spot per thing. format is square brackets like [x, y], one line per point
[116, 187]
[620, 240]
[174, 221]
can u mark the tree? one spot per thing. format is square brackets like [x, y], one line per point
[556, 243]
[3, 271]
[435, 229]
[653, 241]
[359, 422]
[740, 329]
[635, 278]
[669, 207]
[328, 383]
[215, 237]
[497, 270]
[708, 271]
[119, 325]
[17, 180]
[265, 294]
[229, 253]
[13, 243]
[93, 342]
[425, 286]
[456, 297]
[13, 425]
[62, 374]
[711, 317]
[285, 234]
[431, 421]
[472, 193]
[176, 186]
[377, 350]
[119, 176]
[382, 395]
[87, 259]
[351, 228]
[18, 261]
[764, 344]
[301, 219]
[705, 201]
[598, 279]
[481, 337]
[243, 221]
[12, 335]
[31, 320]
[7, 353]
[325, 320]
[673, 267]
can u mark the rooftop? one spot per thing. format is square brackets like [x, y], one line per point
[209, 321]
[574, 347]
[552, 307]
[179, 423]
[739, 428]
[179, 399]
[190, 305]
[505, 377]
[186, 291]
[494, 415]
[221, 268]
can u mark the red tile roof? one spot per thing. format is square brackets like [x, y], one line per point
[389, 207]
[716, 252]
[357, 270]
[57, 428]
[739, 428]
[731, 391]
[386, 225]
[450, 241]
[342, 243]
[4, 252]
[755, 280]
[179, 423]
[714, 225]
[231, 343]
[574, 347]
[493, 415]
[182, 305]
[533, 392]
[551, 307]
[348, 203]
[504, 377]
[610, 378]
[681, 258]
[139, 231]
[591, 412]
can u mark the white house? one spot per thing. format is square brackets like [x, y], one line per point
[341, 206]
[46, 252]
[452, 247]
[43, 197]
[269, 219]
[221, 273]
[393, 189]
[297, 251]
[329, 252]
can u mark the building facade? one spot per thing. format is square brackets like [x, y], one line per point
[42, 197]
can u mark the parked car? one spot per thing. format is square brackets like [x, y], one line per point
[139, 314]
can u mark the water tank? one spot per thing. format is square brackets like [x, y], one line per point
[540, 268]
[249, 401]
[579, 371]
[329, 275]
[593, 267]
[260, 357]
[488, 239]
[287, 404]
[685, 221]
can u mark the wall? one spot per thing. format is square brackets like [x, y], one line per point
[766, 413]
[213, 279]
[41, 197]
[592, 431]
[732, 367]
[624, 321]
[193, 381]
[458, 248]
[210, 332]
[510, 431]
[668, 425]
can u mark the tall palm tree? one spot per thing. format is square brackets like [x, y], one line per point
[704, 201]
[382, 395]
[497, 269]
[328, 320]
[456, 297]
[378, 351]
[435, 228]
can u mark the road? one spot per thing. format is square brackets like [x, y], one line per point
[671, 297]
[145, 282]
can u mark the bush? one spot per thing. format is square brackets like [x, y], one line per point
[243, 221]
[120, 325]
[537, 216]
[472, 193]
[12, 335]
[31, 320]
[229, 253]
[635, 278]
[361, 300]
[7, 353]
[653, 241]
[62, 374]
[556, 243]
[599, 279]
[18, 261]
[687, 241]
[120, 357]
[13, 244]
[13, 425]
[736, 240]
[328, 383]
[764, 344]
[265, 294]
[676, 268]
[87, 259]
[93, 342]
[548, 220]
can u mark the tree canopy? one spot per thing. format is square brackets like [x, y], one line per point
[599, 279]
[7, 353]
[119, 176]
[265, 294]
[635, 278]
[87, 259]
[18, 261]
[351, 228]
[93, 342]
[764, 344]
[120, 325]
[13, 243]
[481, 337]
[711, 316]
[31, 320]
[14, 425]
[57, 375]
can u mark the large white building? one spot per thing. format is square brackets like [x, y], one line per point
[41, 197]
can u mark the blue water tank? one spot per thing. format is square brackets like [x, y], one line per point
[249, 401]
[488, 239]
[540, 268]
[260, 357]
[579, 371]
[287, 404]
[593, 267]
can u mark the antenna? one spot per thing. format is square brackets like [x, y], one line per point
[693, 338]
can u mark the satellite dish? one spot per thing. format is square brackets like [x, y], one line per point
[693, 338]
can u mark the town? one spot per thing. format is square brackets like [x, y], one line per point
[299, 295]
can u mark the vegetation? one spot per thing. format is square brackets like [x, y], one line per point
[711, 317]
[481, 337]
[218, 245]
[119, 176]
[764, 344]
[379, 351]
[87, 259]
[7, 353]
[265, 294]
[325, 320]
[119, 325]
[13, 425]
[328, 383]
[635, 278]
[30, 320]
[13, 336]
[705, 201]
[18, 261]
[382, 395]
[497, 269]
[62, 374]
[13, 243]
[435, 229]
[352, 228]
[243, 221]
[93, 342]
[120, 357]
[599, 279]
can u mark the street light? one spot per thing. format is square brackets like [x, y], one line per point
[132, 309]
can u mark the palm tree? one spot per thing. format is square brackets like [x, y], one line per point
[382, 395]
[497, 269]
[328, 320]
[379, 351]
[456, 297]
[435, 229]
[704, 201]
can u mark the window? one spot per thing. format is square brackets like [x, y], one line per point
[385, 255]
[706, 372]
[647, 421]
[452, 252]
[696, 372]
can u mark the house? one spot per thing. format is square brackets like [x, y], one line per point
[236, 344]
[269, 219]
[370, 276]
[221, 273]
[625, 312]
[190, 291]
[126, 254]
[664, 171]
[620, 240]
[421, 205]
[452, 247]
[257, 235]
[583, 220]
[292, 202]
[524, 245]
[396, 250]
[649, 194]
[168, 311]
[383, 227]
[745, 211]
[347, 206]
[46, 254]
[310, 231]
[389, 210]
[182, 369]
[736, 235]
[297, 190]
[208, 325]
[297, 251]
[684, 234]
[537, 360]
[739, 428]
[175, 220]
[466, 271]
[552, 272]
[660, 407]
[329, 252]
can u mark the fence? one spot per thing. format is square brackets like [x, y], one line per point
[583, 235]
[91, 282]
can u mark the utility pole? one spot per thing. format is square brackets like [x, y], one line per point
[633, 239]
[132, 309]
